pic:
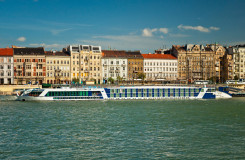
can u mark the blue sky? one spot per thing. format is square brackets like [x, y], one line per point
[143, 25]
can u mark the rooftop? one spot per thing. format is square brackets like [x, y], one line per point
[56, 53]
[6, 51]
[29, 51]
[113, 54]
[121, 54]
[158, 56]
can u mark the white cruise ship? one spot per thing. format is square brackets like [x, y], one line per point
[114, 93]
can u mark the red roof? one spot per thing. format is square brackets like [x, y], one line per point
[6, 51]
[158, 56]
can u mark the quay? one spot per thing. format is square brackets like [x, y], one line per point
[11, 89]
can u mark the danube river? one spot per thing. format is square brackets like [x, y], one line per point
[148, 129]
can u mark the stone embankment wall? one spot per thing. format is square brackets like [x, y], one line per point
[10, 89]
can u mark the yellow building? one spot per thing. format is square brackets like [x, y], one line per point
[58, 67]
[239, 61]
[135, 64]
[86, 63]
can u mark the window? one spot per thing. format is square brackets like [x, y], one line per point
[28, 66]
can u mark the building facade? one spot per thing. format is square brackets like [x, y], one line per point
[160, 67]
[57, 67]
[195, 62]
[86, 63]
[29, 65]
[6, 66]
[221, 59]
[114, 65]
[135, 64]
[228, 64]
[239, 61]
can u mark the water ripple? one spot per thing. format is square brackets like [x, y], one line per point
[162, 129]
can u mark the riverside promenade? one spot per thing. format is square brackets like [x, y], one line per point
[11, 89]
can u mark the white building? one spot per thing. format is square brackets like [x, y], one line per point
[114, 64]
[160, 67]
[239, 61]
[6, 66]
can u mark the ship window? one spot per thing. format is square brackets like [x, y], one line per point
[171, 90]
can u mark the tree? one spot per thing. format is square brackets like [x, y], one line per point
[75, 80]
[213, 79]
[111, 80]
[119, 78]
[236, 77]
[141, 76]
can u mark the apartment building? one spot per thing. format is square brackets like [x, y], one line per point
[195, 62]
[57, 67]
[86, 63]
[6, 66]
[239, 61]
[29, 65]
[160, 67]
[135, 64]
[228, 64]
[114, 64]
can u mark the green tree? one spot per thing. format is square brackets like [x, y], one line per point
[75, 80]
[119, 79]
[141, 76]
[111, 80]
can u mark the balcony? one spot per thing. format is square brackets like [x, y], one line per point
[57, 70]
[86, 70]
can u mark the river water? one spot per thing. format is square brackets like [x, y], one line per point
[148, 129]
